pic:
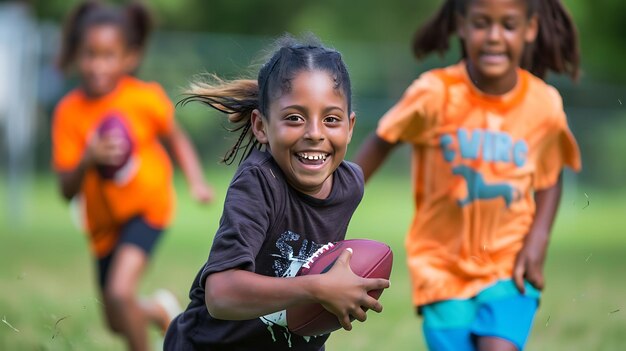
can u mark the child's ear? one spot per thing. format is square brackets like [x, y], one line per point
[532, 30]
[132, 60]
[258, 126]
[352, 123]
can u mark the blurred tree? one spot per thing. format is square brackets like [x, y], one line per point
[601, 23]
[374, 37]
[601, 27]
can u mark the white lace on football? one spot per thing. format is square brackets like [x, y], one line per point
[317, 253]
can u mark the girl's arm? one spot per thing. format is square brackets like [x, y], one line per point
[71, 181]
[372, 154]
[187, 158]
[101, 150]
[529, 262]
[237, 294]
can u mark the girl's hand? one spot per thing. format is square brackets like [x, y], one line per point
[201, 192]
[529, 264]
[344, 294]
[529, 261]
[108, 150]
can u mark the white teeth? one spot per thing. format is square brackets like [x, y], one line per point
[312, 157]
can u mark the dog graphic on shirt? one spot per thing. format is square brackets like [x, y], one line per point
[478, 189]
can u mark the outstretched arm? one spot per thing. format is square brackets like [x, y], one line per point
[237, 294]
[372, 154]
[530, 260]
[187, 158]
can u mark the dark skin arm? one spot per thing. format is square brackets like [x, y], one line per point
[530, 260]
[186, 156]
[70, 182]
[110, 149]
[237, 294]
[101, 150]
[372, 154]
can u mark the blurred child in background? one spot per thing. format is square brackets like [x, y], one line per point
[489, 141]
[292, 194]
[107, 153]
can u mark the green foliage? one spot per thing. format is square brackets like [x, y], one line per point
[601, 30]
[600, 25]
[226, 37]
[606, 144]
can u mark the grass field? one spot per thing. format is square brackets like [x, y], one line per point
[48, 299]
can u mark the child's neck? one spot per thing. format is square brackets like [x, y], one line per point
[492, 86]
[95, 95]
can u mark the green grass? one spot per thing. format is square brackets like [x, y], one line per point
[47, 288]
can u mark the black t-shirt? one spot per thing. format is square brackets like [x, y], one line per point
[269, 228]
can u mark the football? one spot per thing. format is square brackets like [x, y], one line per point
[108, 124]
[370, 259]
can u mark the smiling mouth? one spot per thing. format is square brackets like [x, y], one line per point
[312, 158]
[490, 56]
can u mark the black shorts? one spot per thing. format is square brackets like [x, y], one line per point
[135, 232]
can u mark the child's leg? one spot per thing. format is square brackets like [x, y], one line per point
[504, 317]
[120, 274]
[161, 308]
[122, 306]
[487, 343]
[447, 325]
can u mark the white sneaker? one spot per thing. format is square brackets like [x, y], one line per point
[168, 302]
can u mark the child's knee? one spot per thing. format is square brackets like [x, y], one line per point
[112, 319]
[117, 297]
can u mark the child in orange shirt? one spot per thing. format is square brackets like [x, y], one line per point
[106, 152]
[489, 140]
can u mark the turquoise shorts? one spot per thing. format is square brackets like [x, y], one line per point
[499, 311]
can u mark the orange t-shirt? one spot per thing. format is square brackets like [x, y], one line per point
[476, 161]
[147, 113]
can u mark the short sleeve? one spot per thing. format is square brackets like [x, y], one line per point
[356, 181]
[244, 224]
[161, 110]
[557, 150]
[67, 143]
[416, 114]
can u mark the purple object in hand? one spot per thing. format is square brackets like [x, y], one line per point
[107, 125]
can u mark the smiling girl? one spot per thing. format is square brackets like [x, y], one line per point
[292, 194]
[489, 141]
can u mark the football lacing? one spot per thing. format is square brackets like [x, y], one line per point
[316, 254]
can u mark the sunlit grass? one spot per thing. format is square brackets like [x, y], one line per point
[47, 289]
